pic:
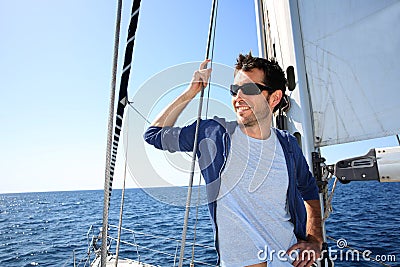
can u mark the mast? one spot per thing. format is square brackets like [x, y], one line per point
[306, 111]
[311, 153]
[260, 23]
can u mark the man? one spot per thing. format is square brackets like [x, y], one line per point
[257, 178]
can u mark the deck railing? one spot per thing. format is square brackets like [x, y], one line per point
[163, 250]
[167, 246]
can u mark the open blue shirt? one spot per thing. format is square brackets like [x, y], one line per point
[212, 153]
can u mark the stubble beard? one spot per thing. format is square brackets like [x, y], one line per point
[253, 120]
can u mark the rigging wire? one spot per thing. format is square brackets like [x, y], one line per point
[206, 115]
[107, 179]
[138, 112]
[145, 119]
[212, 56]
[189, 194]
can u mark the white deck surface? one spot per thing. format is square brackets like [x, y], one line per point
[121, 263]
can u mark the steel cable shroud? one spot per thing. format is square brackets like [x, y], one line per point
[211, 36]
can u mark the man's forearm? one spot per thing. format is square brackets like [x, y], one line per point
[314, 226]
[171, 113]
[309, 250]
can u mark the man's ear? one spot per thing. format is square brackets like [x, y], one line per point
[275, 98]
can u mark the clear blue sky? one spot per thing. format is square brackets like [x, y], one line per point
[55, 74]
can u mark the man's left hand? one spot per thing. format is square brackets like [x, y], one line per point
[308, 252]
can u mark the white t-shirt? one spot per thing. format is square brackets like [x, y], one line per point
[252, 212]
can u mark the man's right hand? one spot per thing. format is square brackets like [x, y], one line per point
[171, 113]
[200, 79]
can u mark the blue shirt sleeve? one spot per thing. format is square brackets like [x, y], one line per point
[171, 138]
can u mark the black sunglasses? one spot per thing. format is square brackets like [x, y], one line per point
[249, 89]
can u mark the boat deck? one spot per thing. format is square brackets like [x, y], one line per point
[121, 263]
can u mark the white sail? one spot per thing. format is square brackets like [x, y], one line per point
[352, 65]
[351, 62]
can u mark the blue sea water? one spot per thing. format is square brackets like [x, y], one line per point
[43, 229]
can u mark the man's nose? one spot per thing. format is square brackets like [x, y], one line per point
[239, 94]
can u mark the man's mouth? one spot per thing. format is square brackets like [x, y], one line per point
[242, 108]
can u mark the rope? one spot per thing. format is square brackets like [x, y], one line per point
[189, 194]
[361, 252]
[329, 207]
[107, 179]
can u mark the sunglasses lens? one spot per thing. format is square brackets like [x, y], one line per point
[234, 89]
[247, 89]
[250, 89]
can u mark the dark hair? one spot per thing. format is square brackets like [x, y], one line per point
[274, 76]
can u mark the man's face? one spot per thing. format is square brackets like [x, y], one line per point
[251, 109]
